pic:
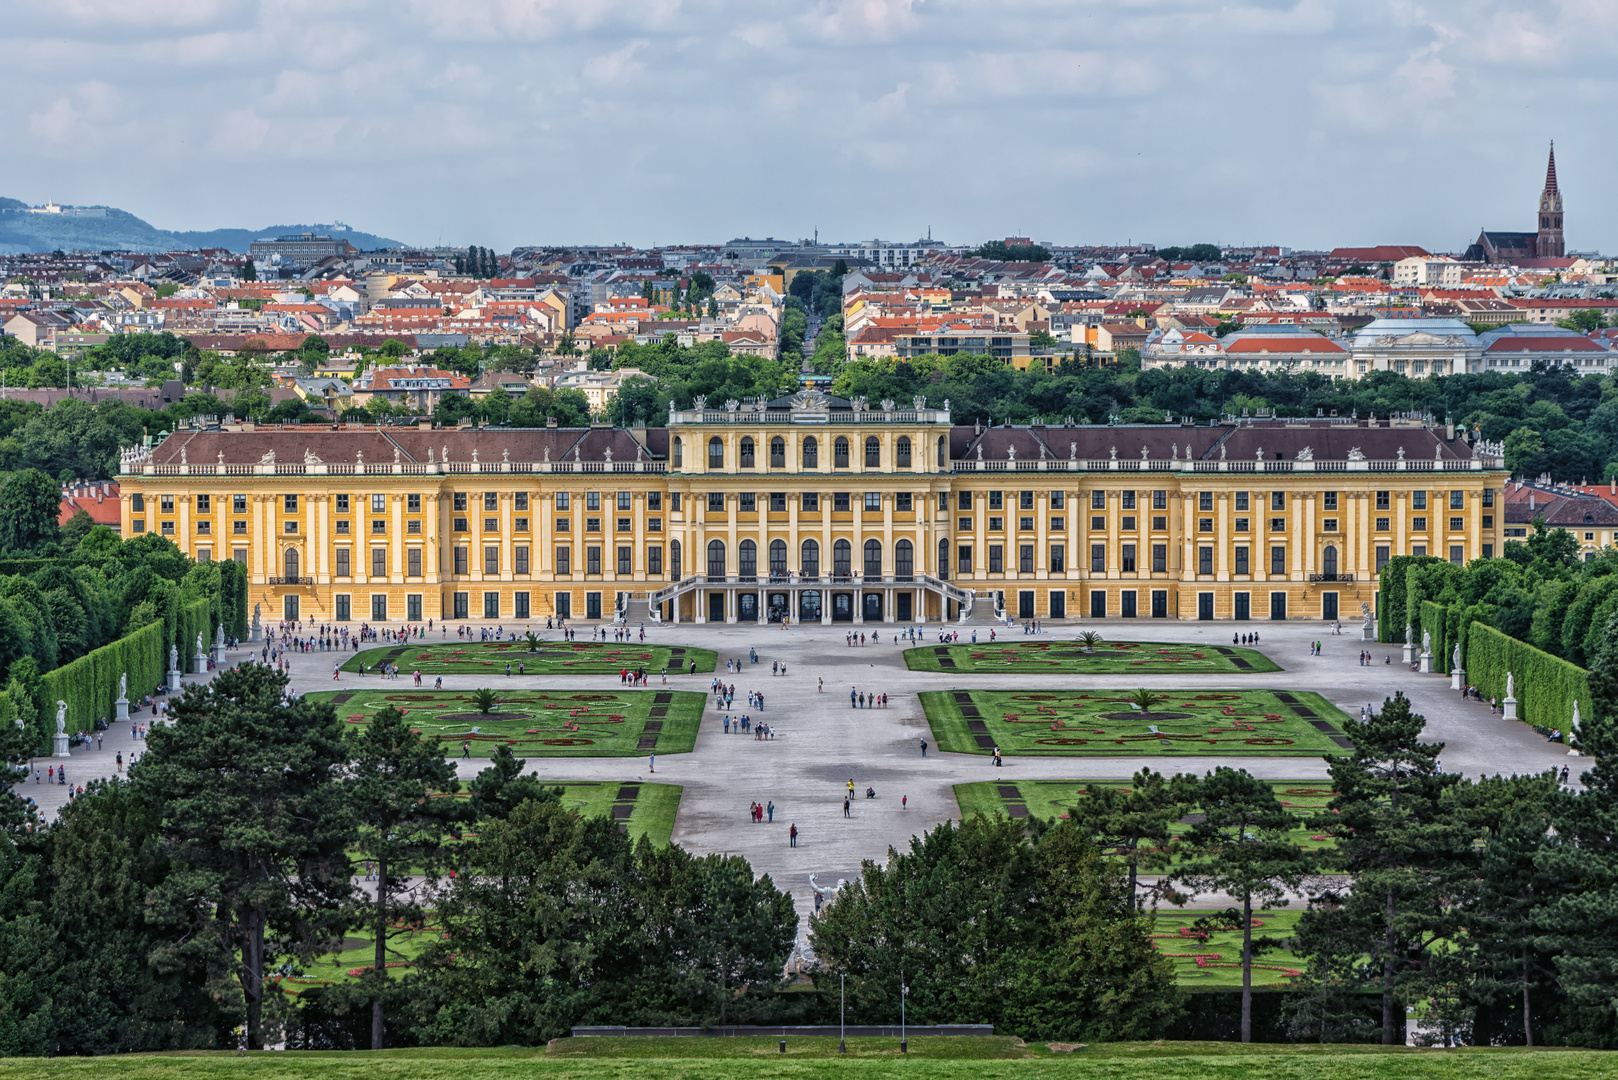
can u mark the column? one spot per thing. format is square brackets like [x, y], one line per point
[1307, 539]
[396, 528]
[1474, 524]
[1222, 538]
[888, 560]
[733, 554]
[186, 541]
[507, 560]
[432, 556]
[825, 553]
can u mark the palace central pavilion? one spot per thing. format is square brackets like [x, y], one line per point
[818, 509]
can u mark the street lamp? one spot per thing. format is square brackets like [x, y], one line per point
[904, 992]
[842, 1015]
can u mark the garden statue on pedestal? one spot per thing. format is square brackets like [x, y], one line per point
[1509, 705]
[1457, 674]
[1368, 629]
[174, 669]
[122, 703]
[1573, 731]
[1410, 648]
[1426, 652]
[257, 633]
[200, 661]
[61, 730]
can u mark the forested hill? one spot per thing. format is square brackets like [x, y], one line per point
[119, 230]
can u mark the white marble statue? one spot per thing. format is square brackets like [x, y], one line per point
[1511, 686]
[1427, 642]
[1575, 725]
[174, 657]
[1455, 661]
[199, 644]
[61, 717]
[123, 685]
[1408, 634]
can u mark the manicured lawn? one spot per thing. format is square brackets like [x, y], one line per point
[490, 658]
[650, 807]
[817, 1059]
[1103, 723]
[1017, 654]
[1212, 958]
[538, 723]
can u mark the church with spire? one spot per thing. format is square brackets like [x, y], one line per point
[1546, 242]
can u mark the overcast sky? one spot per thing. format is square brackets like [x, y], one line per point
[507, 122]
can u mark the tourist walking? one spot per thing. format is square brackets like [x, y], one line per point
[792, 835]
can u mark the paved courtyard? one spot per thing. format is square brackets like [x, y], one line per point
[822, 743]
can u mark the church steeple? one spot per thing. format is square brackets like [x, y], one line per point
[1549, 244]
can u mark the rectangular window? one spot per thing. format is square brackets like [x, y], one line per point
[1243, 566]
[1160, 558]
[1381, 557]
[1243, 524]
[1025, 558]
[1330, 500]
[1278, 525]
[564, 525]
[1278, 500]
[716, 502]
[873, 500]
[1160, 523]
[238, 528]
[624, 500]
[997, 559]
[943, 502]
[563, 602]
[491, 524]
[239, 555]
[457, 524]
[997, 524]
[654, 560]
[379, 504]
[626, 524]
[1026, 524]
[1328, 525]
[342, 504]
[963, 501]
[811, 502]
[997, 500]
[592, 559]
[778, 502]
[204, 528]
[413, 504]
[674, 501]
[903, 502]
[1025, 500]
[412, 607]
[1058, 558]
[592, 500]
[519, 559]
[626, 559]
[1457, 554]
[1058, 500]
[1128, 523]
[460, 606]
[1098, 558]
[963, 524]
[1205, 525]
[747, 502]
[341, 601]
[1457, 524]
[517, 525]
[1205, 500]
[379, 526]
[1382, 524]
[1098, 603]
[342, 562]
[491, 605]
[1488, 551]
[1418, 500]
[963, 559]
[519, 605]
[204, 555]
[1278, 559]
[413, 528]
[563, 501]
[1098, 524]
[1382, 500]
[1418, 524]
[413, 562]
[1098, 500]
[1128, 499]
[458, 501]
[379, 607]
[1160, 604]
[1058, 523]
[1457, 500]
[491, 558]
[1488, 521]
[592, 524]
[564, 560]
[204, 504]
[1204, 560]
[1488, 496]
[1243, 502]
[1126, 604]
[290, 527]
[238, 503]
[1160, 500]
[654, 501]
[289, 503]
[1127, 558]
[592, 605]
[462, 557]
[379, 562]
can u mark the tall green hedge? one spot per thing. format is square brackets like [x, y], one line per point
[1546, 685]
[1392, 609]
[196, 617]
[89, 684]
[1432, 620]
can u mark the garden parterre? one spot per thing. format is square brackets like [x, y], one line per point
[547, 722]
[1105, 722]
[489, 658]
[1013, 656]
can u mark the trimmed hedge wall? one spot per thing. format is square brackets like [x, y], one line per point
[196, 617]
[1546, 685]
[1433, 621]
[1393, 609]
[89, 684]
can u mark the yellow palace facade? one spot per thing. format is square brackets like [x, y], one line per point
[818, 509]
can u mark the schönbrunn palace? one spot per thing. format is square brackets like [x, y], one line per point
[822, 510]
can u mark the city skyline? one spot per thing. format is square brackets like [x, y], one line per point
[1307, 125]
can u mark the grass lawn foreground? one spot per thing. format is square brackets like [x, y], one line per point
[1104, 722]
[540, 722]
[1034, 656]
[698, 1058]
[547, 658]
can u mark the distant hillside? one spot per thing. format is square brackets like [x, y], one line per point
[120, 230]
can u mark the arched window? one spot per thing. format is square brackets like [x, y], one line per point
[778, 453]
[840, 557]
[903, 452]
[291, 561]
[943, 452]
[839, 453]
[778, 556]
[747, 451]
[716, 559]
[1328, 561]
[873, 452]
[811, 453]
[679, 452]
[716, 453]
[749, 560]
[674, 560]
[904, 560]
[943, 559]
[873, 558]
[809, 567]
